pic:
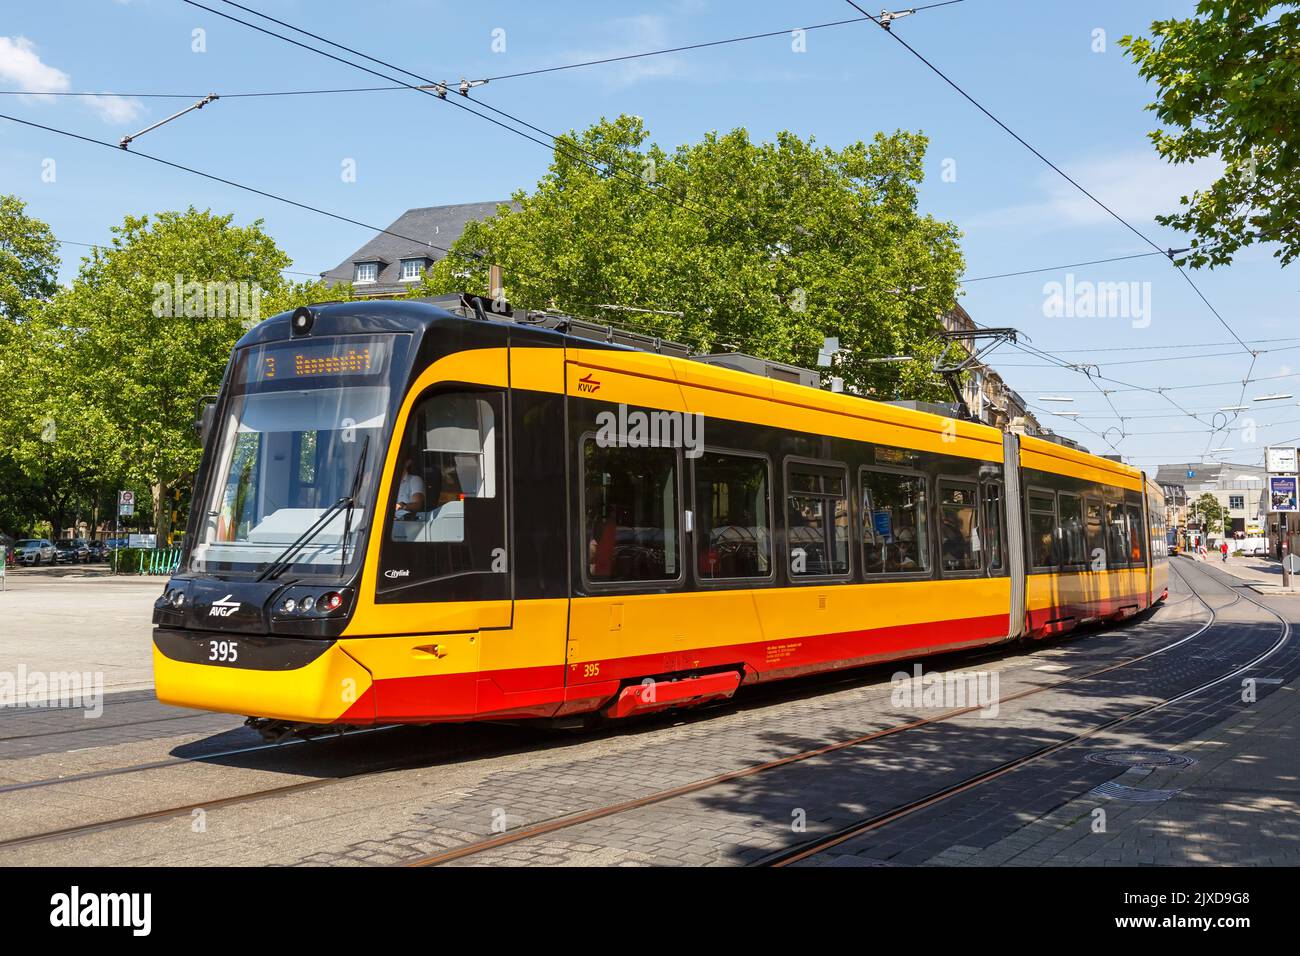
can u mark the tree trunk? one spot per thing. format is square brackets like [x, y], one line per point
[162, 512]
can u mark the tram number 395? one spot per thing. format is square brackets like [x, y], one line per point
[225, 652]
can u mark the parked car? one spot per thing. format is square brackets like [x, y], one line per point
[98, 551]
[71, 551]
[34, 552]
[1260, 552]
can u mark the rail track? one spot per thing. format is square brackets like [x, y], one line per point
[571, 820]
[810, 848]
[869, 824]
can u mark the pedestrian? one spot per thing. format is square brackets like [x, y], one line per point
[1223, 549]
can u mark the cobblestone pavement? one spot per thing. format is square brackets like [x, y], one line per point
[475, 780]
[1234, 802]
[746, 820]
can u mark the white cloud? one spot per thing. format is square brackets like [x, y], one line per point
[21, 67]
[115, 109]
[1137, 185]
[627, 35]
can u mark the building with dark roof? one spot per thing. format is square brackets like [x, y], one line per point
[388, 265]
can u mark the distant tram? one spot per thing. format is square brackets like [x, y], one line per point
[420, 511]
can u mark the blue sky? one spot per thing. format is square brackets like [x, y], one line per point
[1032, 63]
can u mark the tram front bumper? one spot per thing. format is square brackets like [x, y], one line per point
[314, 682]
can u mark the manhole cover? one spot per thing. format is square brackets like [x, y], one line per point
[1140, 758]
[1118, 791]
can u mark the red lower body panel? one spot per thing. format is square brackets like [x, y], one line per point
[544, 691]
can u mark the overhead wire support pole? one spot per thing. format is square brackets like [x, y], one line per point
[210, 98]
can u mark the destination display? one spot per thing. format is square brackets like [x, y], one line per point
[323, 358]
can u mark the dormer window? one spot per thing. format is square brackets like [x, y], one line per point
[366, 272]
[412, 269]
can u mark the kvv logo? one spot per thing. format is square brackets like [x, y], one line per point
[207, 300]
[1098, 300]
[639, 429]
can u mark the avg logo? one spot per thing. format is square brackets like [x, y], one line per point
[588, 383]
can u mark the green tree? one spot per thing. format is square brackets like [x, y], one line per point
[1210, 512]
[29, 260]
[146, 329]
[1228, 88]
[29, 264]
[732, 245]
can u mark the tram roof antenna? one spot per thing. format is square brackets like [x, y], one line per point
[125, 142]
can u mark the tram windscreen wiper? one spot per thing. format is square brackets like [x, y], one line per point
[352, 503]
[285, 558]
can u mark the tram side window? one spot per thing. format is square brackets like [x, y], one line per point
[447, 501]
[1095, 532]
[1136, 535]
[733, 537]
[1042, 530]
[630, 525]
[894, 532]
[817, 521]
[993, 525]
[959, 536]
[1074, 546]
[1117, 538]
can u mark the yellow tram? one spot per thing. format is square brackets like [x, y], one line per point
[418, 511]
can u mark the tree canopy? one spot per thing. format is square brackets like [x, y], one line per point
[107, 373]
[732, 245]
[1228, 89]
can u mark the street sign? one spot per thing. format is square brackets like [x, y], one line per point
[125, 504]
[1281, 460]
[1292, 563]
[142, 541]
[1282, 494]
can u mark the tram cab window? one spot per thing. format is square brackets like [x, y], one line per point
[733, 534]
[1074, 545]
[817, 521]
[630, 524]
[1117, 537]
[446, 505]
[1042, 530]
[1095, 534]
[960, 548]
[895, 536]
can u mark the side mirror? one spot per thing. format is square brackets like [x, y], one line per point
[204, 413]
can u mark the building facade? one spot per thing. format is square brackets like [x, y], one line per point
[1240, 490]
[989, 398]
[392, 262]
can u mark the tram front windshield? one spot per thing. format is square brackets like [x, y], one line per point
[303, 428]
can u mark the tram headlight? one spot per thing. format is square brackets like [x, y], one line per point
[289, 606]
[330, 601]
[307, 604]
